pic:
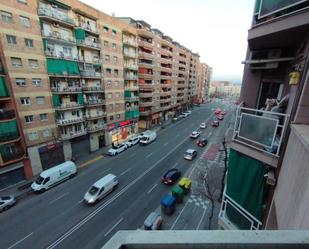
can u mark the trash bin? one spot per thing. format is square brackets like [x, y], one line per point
[185, 184]
[168, 203]
[178, 193]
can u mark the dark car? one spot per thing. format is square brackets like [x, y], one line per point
[202, 142]
[171, 176]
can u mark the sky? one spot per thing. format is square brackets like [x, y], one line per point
[217, 30]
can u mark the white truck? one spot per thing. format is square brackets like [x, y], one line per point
[148, 137]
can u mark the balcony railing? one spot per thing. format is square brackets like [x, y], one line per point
[71, 105]
[8, 136]
[58, 36]
[66, 89]
[90, 74]
[7, 157]
[89, 28]
[145, 113]
[72, 134]
[131, 98]
[57, 15]
[6, 114]
[69, 121]
[131, 66]
[260, 130]
[130, 77]
[88, 43]
[96, 116]
[90, 102]
[92, 89]
[129, 54]
[131, 88]
[95, 128]
[145, 104]
[60, 55]
[93, 60]
[229, 204]
[131, 42]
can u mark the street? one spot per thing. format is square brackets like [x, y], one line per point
[59, 218]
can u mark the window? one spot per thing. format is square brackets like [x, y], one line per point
[117, 106]
[20, 81]
[33, 63]
[110, 107]
[106, 57]
[117, 95]
[24, 21]
[40, 100]
[109, 83]
[108, 70]
[33, 135]
[29, 119]
[22, 1]
[106, 29]
[43, 117]
[105, 43]
[11, 39]
[114, 45]
[36, 82]
[16, 62]
[109, 95]
[111, 118]
[29, 43]
[114, 32]
[25, 101]
[46, 133]
[6, 17]
[115, 59]
[118, 116]
[116, 83]
[116, 71]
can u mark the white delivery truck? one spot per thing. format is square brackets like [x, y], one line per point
[50, 177]
[149, 137]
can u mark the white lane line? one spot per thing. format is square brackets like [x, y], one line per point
[149, 155]
[178, 216]
[104, 205]
[132, 155]
[149, 191]
[21, 240]
[175, 164]
[113, 227]
[51, 202]
[177, 135]
[81, 201]
[198, 226]
[101, 173]
[125, 171]
[210, 133]
[165, 144]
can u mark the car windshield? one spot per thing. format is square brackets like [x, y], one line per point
[39, 180]
[170, 173]
[188, 153]
[93, 190]
[144, 138]
[5, 198]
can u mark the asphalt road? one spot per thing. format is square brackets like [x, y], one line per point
[58, 218]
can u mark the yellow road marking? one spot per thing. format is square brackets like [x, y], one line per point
[90, 161]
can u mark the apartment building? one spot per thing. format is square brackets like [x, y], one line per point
[203, 83]
[267, 177]
[193, 77]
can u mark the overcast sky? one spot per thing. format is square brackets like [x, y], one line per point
[216, 29]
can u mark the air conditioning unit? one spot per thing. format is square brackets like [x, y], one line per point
[263, 56]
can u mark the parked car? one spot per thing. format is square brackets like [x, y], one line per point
[202, 142]
[217, 111]
[195, 134]
[101, 188]
[203, 125]
[53, 176]
[188, 112]
[171, 176]
[190, 154]
[153, 221]
[215, 123]
[184, 115]
[220, 117]
[148, 138]
[223, 112]
[116, 149]
[132, 141]
[7, 202]
[144, 133]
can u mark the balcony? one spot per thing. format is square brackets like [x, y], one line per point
[90, 74]
[146, 65]
[9, 136]
[95, 128]
[259, 134]
[129, 42]
[54, 15]
[129, 54]
[167, 86]
[69, 106]
[6, 115]
[8, 158]
[131, 98]
[145, 113]
[56, 36]
[145, 33]
[130, 66]
[165, 100]
[72, 134]
[94, 102]
[4, 93]
[146, 86]
[130, 77]
[60, 55]
[66, 90]
[92, 89]
[89, 28]
[145, 55]
[146, 76]
[131, 88]
[169, 93]
[93, 60]
[88, 44]
[132, 114]
[145, 104]
[9, 131]
[65, 122]
[146, 95]
[95, 116]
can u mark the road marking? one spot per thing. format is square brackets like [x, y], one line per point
[132, 155]
[51, 202]
[21, 240]
[149, 191]
[81, 201]
[101, 173]
[149, 155]
[177, 135]
[90, 161]
[104, 205]
[174, 166]
[113, 227]
[198, 226]
[210, 133]
[165, 144]
[178, 216]
[125, 171]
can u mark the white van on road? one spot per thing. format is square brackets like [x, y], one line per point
[55, 175]
[148, 138]
[101, 188]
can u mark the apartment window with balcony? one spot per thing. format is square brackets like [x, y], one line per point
[11, 39]
[105, 43]
[40, 100]
[46, 133]
[16, 62]
[6, 17]
[33, 135]
[29, 119]
[114, 46]
[29, 43]
[36, 82]
[20, 81]
[33, 63]
[107, 57]
[25, 101]
[115, 59]
[116, 72]
[106, 29]
[43, 117]
[24, 21]
[114, 32]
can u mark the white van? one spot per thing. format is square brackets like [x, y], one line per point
[148, 138]
[50, 177]
[101, 188]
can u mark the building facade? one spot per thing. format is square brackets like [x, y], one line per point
[203, 83]
[267, 177]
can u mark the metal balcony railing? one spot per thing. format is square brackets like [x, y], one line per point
[96, 128]
[71, 105]
[131, 42]
[58, 36]
[88, 43]
[6, 114]
[6, 157]
[66, 89]
[69, 121]
[94, 102]
[90, 73]
[53, 13]
[130, 77]
[60, 55]
[261, 130]
[92, 89]
[96, 116]
[8, 136]
[73, 134]
[89, 28]
[132, 98]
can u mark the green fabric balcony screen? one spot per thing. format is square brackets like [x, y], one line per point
[56, 100]
[8, 130]
[127, 93]
[135, 114]
[245, 185]
[3, 89]
[56, 66]
[80, 34]
[80, 98]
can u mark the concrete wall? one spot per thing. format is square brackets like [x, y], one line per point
[291, 197]
[35, 159]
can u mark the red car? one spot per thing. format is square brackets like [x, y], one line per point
[217, 111]
[215, 123]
